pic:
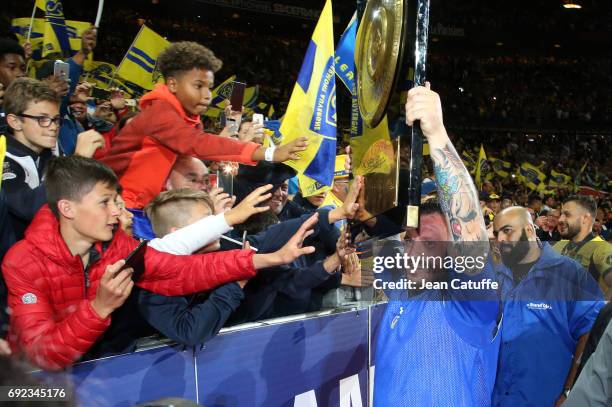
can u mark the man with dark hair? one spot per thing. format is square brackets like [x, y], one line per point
[550, 304]
[12, 66]
[535, 203]
[67, 277]
[581, 244]
[12, 61]
[169, 125]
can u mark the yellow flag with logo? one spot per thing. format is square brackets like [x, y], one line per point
[21, 27]
[373, 150]
[139, 63]
[312, 108]
[531, 176]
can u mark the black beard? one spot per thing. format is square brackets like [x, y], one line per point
[513, 253]
[571, 232]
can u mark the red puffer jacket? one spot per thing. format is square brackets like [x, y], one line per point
[52, 320]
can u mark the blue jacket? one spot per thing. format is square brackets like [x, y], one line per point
[292, 289]
[190, 320]
[70, 127]
[544, 316]
[7, 239]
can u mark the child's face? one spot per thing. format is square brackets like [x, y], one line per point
[30, 133]
[199, 212]
[96, 215]
[192, 89]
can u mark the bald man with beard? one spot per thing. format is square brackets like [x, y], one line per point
[550, 304]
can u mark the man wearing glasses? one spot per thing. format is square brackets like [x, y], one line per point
[33, 118]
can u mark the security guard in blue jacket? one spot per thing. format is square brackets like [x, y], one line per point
[550, 304]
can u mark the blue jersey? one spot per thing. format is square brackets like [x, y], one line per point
[435, 351]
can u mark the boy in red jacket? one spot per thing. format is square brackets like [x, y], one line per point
[65, 279]
[169, 125]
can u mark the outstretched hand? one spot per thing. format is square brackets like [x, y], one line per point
[294, 247]
[248, 206]
[291, 150]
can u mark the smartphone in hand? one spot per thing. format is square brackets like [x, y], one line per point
[135, 260]
[61, 69]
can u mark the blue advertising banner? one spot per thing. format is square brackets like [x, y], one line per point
[317, 361]
[125, 380]
[314, 362]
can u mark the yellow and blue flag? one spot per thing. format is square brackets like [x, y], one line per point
[312, 108]
[500, 167]
[55, 37]
[531, 176]
[21, 27]
[482, 167]
[559, 179]
[139, 64]
[222, 92]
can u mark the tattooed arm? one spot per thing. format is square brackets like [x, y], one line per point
[456, 190]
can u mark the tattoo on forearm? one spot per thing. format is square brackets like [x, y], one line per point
[457, 195]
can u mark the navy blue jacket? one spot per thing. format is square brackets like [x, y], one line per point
[293, 289]
[22, 183]
[190, 320]
[7, 239]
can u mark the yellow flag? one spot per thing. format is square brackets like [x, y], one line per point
[139, 64]
[559, 179]
[373, 150]
[482, 167]
[312, 108]
[531, 176]
[500, 167]
[21, 26]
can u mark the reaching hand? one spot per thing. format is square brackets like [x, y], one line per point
[293, 248]
[222, 201]
[89, 38]
[117, 99]
[59, 85]
[290, 150]
[248, 206]
[82, 92]
[88, 142]
[27, 50]
[344, 247]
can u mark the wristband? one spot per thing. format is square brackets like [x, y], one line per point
[269, 153]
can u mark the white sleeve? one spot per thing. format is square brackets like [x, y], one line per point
[192, 237]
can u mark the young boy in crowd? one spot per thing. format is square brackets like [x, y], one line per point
[169, 125]
[33, 115]
[66, 278]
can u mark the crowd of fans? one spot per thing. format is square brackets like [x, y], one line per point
[80, 186]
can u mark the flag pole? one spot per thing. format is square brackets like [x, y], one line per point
[29, 35]
[99, 14]
[31, 22]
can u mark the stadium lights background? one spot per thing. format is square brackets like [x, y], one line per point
[572, 4]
